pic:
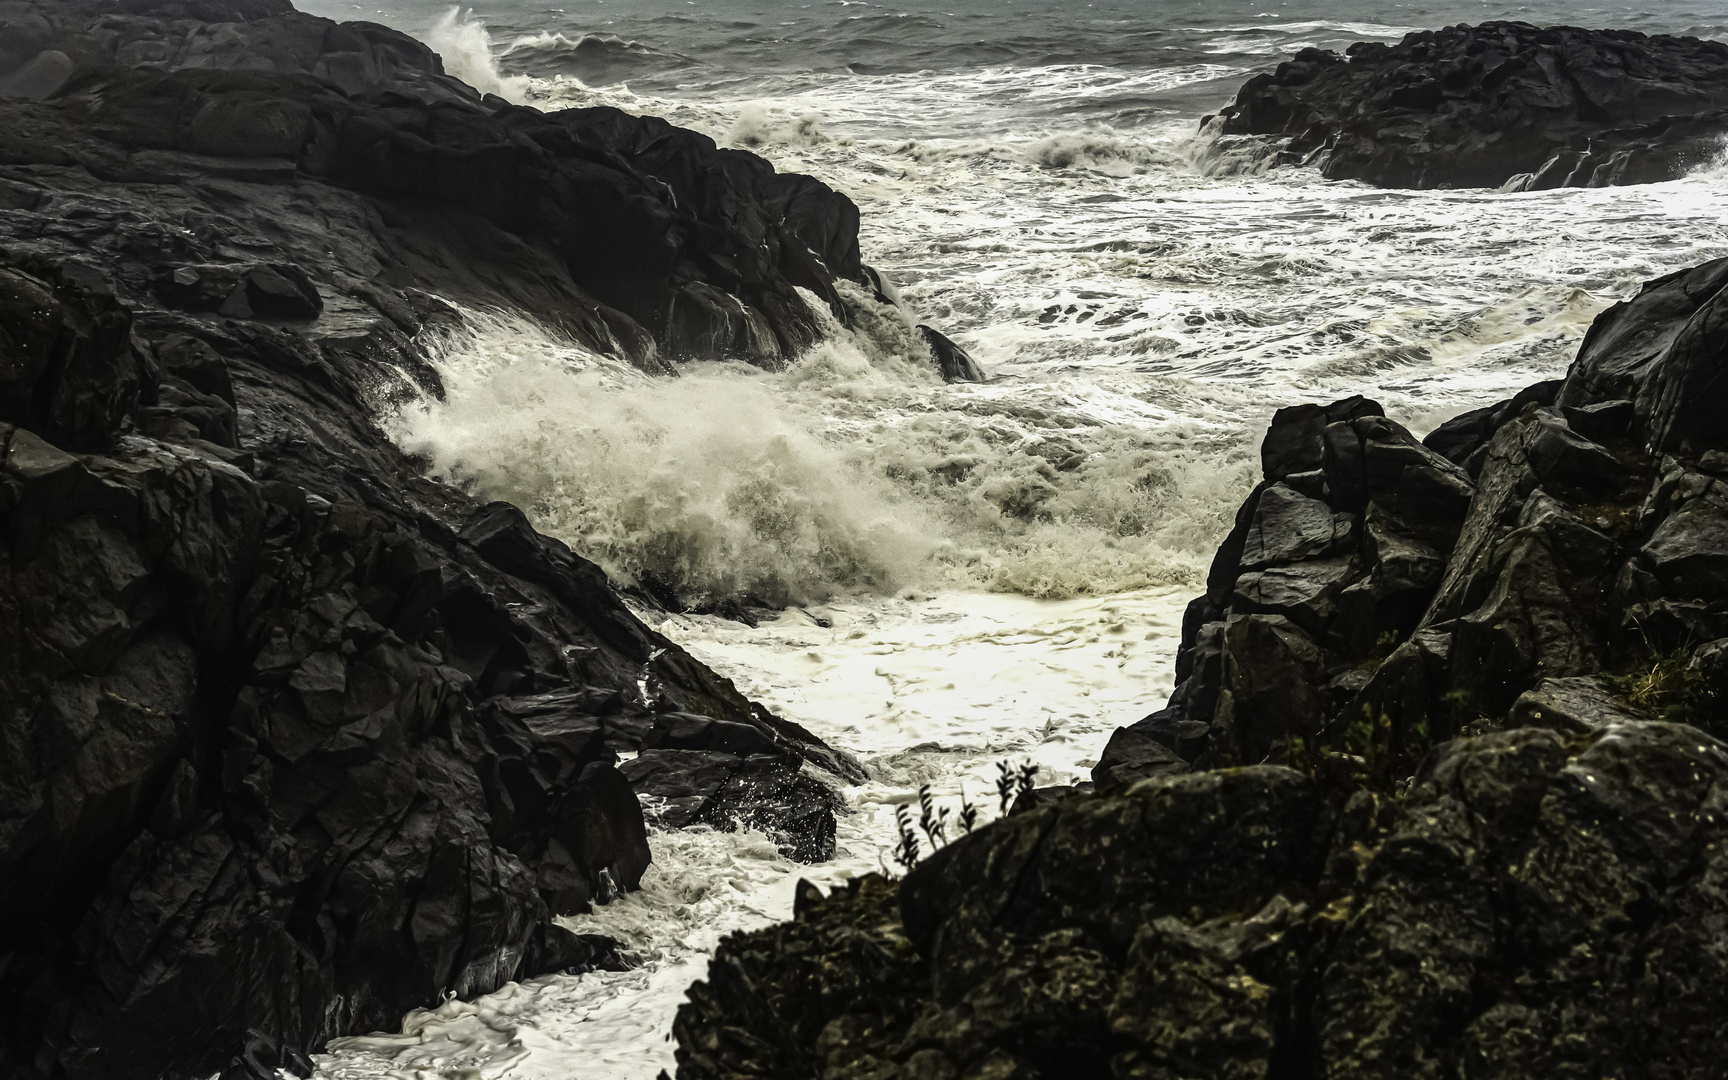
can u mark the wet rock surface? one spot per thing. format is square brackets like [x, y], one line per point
[293, 739]
[1535, 903]
[1503, 103]
[255, 162]
[1444, 799]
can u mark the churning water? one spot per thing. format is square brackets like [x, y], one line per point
[982, 572]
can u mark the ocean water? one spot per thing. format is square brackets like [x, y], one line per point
[962, 575]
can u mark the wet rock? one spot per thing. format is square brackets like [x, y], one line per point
[1570, 706]
[830, 991]
[1502, 103]
[1246, 922]
[1288, 527]
[1295, 440]
[1601, 421]
[301, 740]
[955, 363]
[1628, 339]
[68, 372]
[1680, 403]
[1268, 696]
[39, 77]
[1134, 753]
[1307, 594]
[765, 792]
[1422, 972]
[1461, 439]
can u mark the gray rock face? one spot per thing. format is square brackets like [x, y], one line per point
[1536, 903]
[1503, 103]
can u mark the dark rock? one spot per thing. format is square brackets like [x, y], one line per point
[1570, 706]
[1460, 439]
[1503, 103]
[1602, 421]
[955, 363]
[66, 367]
[300, 740]
[1344, 568]
[639, 238]
[1267, 697]
[1629, 338]
[1288, 528]
[1134, 754]
[1256, 922]
[1295, 440]
[1680, 404]
[839, 983]
[728, 791]
[39, 77]
[1032, 799]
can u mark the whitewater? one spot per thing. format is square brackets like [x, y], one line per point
[944, 577]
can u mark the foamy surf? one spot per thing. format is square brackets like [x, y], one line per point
[1045, 681]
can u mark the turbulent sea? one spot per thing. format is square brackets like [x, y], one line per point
[975, 573]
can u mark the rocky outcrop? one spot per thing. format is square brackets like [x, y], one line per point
[1536, 904]
[1500, 104]
[1332, 562]
[1472, 819]
[1569, 532]
[633, 237]
[292, 739]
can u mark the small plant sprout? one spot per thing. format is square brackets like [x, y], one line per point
[968, 813]
[906, 851]
[934, 822]
[1007, 786]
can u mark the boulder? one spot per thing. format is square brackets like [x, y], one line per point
[1499, 104]
[1134, 753]
[766, 792]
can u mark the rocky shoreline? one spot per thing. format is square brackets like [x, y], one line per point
[296, 740]
[1439, 791]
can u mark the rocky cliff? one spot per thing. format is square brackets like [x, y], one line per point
[293, 740]
[1503, 103]
[1437, 794]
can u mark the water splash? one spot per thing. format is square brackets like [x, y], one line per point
[464, 45]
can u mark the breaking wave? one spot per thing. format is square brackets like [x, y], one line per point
[854, 470]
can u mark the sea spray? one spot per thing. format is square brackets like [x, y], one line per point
[465, 46]
[852, 470]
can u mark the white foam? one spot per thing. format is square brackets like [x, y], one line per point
[930, 690]
[464, 45]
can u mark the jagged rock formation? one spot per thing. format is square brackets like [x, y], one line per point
[1472, 824]
[293, 740]
[1537, 904]
[1572, 531]
[634, 237]
[1503, 103]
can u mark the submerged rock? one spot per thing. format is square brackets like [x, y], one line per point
[1500, 104]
